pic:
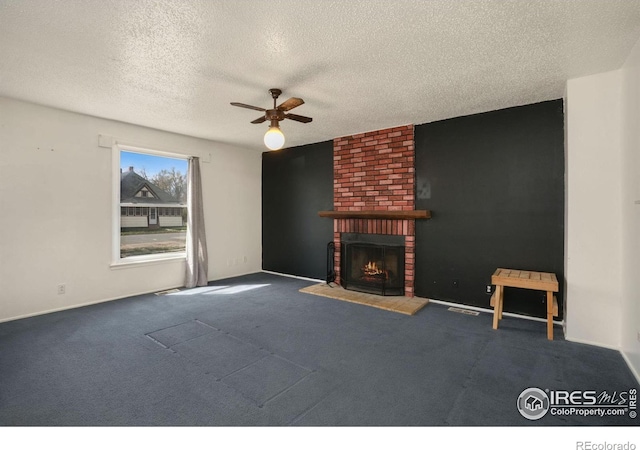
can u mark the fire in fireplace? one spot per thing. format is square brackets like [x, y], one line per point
[371, 271]
[373, 268]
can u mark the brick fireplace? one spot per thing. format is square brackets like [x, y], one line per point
[374, 191]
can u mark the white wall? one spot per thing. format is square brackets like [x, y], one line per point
[593, 247]
[603, 209]
[55, 210]
[631, 210]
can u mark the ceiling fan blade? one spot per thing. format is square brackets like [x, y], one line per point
[259, 120]
[242, 105]
[298, 118]
[290, 104]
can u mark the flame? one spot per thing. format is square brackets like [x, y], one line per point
[371, 268]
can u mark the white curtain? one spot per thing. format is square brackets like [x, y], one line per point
[197, 259]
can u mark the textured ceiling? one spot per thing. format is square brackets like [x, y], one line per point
[359, 65]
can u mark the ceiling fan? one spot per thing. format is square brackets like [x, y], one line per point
[273, 138]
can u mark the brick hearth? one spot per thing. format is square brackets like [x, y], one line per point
[374, 171]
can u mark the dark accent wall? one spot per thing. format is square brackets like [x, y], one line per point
[296, 184]
[495, 184]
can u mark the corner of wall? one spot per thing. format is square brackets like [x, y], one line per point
[630, 307]
[565, 102]
[593, 255]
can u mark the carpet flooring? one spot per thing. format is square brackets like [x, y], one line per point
[254, 351]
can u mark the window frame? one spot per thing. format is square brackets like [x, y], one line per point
[116, 260]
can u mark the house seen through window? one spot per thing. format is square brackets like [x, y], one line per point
[153, 204]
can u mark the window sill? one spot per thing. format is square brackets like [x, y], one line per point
[139, 261]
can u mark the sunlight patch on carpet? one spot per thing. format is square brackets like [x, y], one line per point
[237, 289]
[219, 290]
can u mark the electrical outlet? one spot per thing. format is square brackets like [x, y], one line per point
[62, 288]
[489, 289]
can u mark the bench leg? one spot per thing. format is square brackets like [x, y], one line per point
[550, 315]
[497, 309]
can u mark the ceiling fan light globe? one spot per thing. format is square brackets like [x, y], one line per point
[274, 139]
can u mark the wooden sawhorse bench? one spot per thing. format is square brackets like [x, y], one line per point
[524, 279]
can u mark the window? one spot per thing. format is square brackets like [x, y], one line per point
[150, 190]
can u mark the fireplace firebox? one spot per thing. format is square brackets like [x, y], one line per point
[373, 268]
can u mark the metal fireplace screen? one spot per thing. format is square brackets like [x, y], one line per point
[373, 268]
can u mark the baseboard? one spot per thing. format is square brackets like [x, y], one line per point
[441, 302]
[293, 276]
[133, 294]
[595, 344]
[82, 305]
[226, 277]
[490, 311]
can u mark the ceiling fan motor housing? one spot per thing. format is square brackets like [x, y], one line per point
[274, 114]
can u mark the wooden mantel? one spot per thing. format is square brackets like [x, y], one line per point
[414, 214]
